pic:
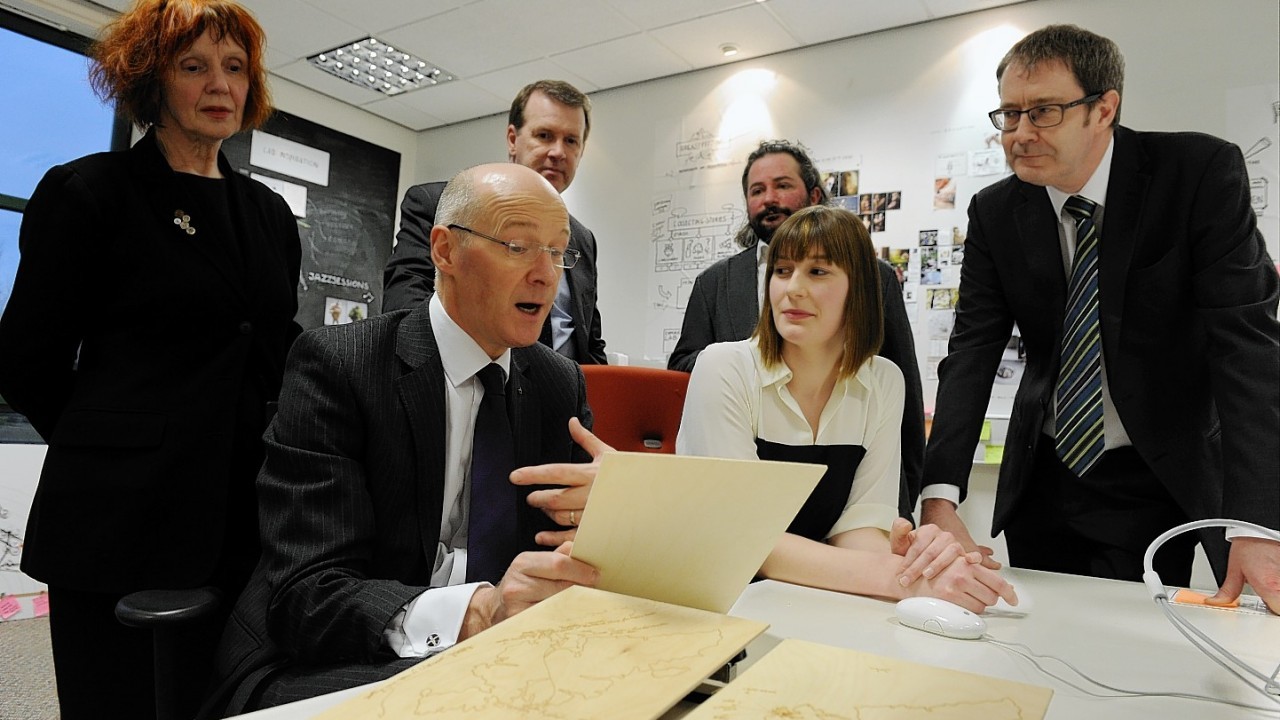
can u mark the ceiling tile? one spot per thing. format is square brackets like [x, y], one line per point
[752, 29]
[397, 112]
[468, 42]
[623, 61]
[816, 21]
[650, 14]
[295, 28]
[945, 8]
[455, 101]
[382, 15]
[508, 81]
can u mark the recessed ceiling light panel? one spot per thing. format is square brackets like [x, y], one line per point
[373, 64]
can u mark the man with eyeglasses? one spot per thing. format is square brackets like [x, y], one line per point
[427, 466]
[547, 131]
[778, 180]
[1133, 267]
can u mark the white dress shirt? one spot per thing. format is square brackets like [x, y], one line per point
[432, 621]
[734, 399]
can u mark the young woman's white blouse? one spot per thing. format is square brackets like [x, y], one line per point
[734, 399]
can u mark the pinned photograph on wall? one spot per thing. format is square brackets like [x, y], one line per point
[848, 182]
[878, 201]
[840, 184]
[930, 273]
[894, 201]
[944, 257]
[866, 220]
[877, 221]
[831, 182]
[864, 204]
[899, 259]
[942, 298]
[1013, 361]
[848, 202]
[944, 193]
[341, 312]
[928, 237]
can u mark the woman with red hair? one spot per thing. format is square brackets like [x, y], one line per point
[145, 337]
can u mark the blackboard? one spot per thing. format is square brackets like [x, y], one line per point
[346, 234]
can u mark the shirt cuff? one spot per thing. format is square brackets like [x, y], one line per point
[941, 491]
[430, 622]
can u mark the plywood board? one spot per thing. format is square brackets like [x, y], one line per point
[688, 530]
[799, 679]
[581, 654]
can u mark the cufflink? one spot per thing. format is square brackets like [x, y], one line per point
[433, 640]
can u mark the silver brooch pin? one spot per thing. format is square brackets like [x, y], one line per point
[183, 221]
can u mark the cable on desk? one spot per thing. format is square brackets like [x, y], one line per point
[1034, 657]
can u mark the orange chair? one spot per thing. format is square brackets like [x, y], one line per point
[636, 408]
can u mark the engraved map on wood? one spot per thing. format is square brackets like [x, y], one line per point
[581, 654]
[799, 680]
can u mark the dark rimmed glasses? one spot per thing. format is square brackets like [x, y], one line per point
[525, 252]
[1042, 116]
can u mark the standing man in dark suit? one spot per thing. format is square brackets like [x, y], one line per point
[725, 303]
[1145, 248]
[547, 131]
[379, 479]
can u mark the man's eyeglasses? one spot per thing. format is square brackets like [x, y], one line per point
[566, 258]
[1042, 116]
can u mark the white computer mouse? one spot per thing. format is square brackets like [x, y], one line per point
[940, 617]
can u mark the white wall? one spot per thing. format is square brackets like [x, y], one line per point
[884, 102]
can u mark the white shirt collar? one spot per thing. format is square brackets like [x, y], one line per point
[780, 374]
[1095, 189]
[461, 357]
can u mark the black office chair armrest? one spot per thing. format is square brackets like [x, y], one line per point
[174, 617]
[167, 608]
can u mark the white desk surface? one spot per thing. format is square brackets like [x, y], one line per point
[1110, 630]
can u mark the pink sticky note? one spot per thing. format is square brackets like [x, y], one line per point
[41, 604]
[9, 607]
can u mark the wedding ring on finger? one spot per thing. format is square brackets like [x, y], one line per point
[573, 519]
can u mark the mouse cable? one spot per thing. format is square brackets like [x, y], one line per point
[1121, 693]
[1270, 687]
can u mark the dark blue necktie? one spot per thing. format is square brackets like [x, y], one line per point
[1080, 438]
[491, 533]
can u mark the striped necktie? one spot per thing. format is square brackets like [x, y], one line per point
[1080, 440]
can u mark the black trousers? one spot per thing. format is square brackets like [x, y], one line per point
[1098, 525]
[103, 668]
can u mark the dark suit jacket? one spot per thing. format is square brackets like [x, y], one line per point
[410, 276]
[1188, 311]
[129, 345]
[352, 490]
[724, 307]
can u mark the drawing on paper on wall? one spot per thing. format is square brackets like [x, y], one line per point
[1257, 148]
[1258, 194]
[676, 298]
[986, 162]
[670, 336]
[10, 544]
[702, 150]
[692, 241]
